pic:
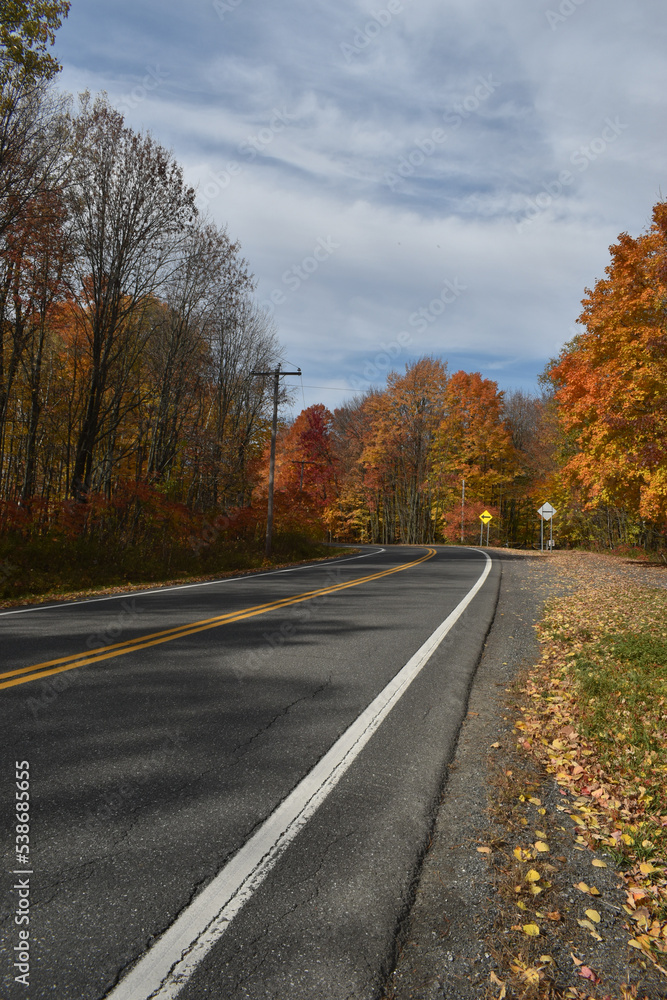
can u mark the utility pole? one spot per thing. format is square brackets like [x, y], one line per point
[277, 373]
[463, 500]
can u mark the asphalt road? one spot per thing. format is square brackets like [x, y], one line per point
[171, 727]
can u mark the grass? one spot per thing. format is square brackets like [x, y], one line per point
[590, 718]
[608, 661]
[593, 713]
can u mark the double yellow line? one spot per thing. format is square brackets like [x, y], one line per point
[40, 670]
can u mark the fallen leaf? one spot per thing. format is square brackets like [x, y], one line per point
[577, 961]
[593, 915]
[540, 846]
[532, 930]
[521, 855]
[587, 973]
[484, 850]
[582, 886]
[597, 863]
[532, 976]
[494, 746]
[532, 876]
[587, 925]
[646, 868]
[536, 802]
[554, 915]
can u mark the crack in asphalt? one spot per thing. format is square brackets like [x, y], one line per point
[279, 715]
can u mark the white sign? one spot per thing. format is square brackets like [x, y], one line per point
[546, 511]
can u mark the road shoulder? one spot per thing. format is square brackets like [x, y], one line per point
[442, 945]
[505, 834]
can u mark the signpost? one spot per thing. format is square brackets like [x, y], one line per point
[485, 518]
[546, 513]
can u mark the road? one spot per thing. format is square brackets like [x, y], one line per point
[176, 736]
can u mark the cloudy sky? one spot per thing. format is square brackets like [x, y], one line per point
[406, 177]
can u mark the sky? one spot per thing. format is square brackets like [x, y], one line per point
[405, 177]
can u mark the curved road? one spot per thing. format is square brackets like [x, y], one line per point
[185, 796]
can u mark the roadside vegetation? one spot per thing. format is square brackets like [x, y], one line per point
[581, 867]
[139, 538]
[132, 417]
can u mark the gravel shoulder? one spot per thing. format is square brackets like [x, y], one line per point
[464, 938]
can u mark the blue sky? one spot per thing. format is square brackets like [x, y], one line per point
[406, 177]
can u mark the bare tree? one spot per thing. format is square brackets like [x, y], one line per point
[34, 130]
[129, 213]
[208, 275]
[242, 338]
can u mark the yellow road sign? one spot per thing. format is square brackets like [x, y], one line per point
[486, 517]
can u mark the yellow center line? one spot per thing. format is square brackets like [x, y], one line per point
[38, 670]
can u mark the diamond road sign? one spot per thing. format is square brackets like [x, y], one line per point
[486, 517]
[546, 511]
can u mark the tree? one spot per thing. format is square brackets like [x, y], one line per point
[306, 462]
[27, 29]
[472, 443]
[129, 214]
[611, 381]
[34, 131]
[403, 421]
[36, 266]
[532, 423]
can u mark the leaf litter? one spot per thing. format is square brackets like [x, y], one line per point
[591, 719]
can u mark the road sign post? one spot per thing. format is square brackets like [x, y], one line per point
[546, 513]
[485, 519]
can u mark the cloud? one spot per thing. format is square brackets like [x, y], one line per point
[385, 151]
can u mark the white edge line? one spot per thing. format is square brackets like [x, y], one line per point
[168, 965]
[186, 586]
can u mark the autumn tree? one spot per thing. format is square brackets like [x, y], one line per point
[307, 462]
[36, 264]
[403, 421]
[611, 382]
[33, 125]
[27, 30]
[350, 515]
[532, 422]
[128, 217]
[472, 443]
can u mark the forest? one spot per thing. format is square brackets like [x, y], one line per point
[134, 436]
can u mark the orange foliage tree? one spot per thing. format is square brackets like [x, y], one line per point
[611, 382]
[472, 444]
[402, 423]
